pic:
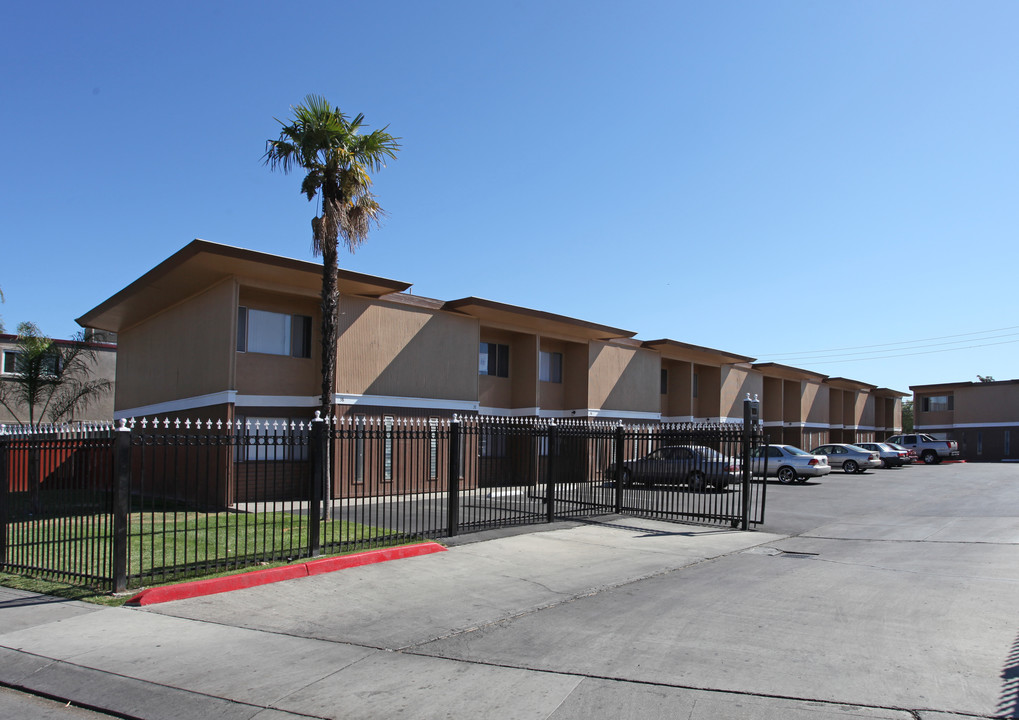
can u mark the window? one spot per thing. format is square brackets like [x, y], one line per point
[493, 360]
[433, 448]
[387, 452]
[261, 331]
[550, 367]
[980, 443]
[1008, 443]
[937, 403]
[665, 381]
[694, 389]
[273, 439]
[49, 363]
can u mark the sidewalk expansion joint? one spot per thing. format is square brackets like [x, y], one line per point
[572, 598]
[107, 711]
[912, 712]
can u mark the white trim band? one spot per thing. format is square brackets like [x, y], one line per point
[407, 402]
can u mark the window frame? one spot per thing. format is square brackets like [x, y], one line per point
[550, 366]
[297, 335]
[497, 359]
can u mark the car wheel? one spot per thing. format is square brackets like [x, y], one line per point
[786, 475]
[850, 466]
[721, 484]
[696, 480]
[627, 478]
[929, 457]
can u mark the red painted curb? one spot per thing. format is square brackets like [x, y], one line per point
[185, 590]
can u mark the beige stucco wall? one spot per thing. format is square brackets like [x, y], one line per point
[736, 382]
[815, 402]
[261, 374]
[709, 389]
[865, 409]
[623, 378]
[552, 396]
[185, 351]
[986, 404]
[406, 351]
[678, 402]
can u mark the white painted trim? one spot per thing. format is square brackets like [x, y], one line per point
[677, 419]
[508, 412]
[623, 414]
[406, 402]
[959, 426]
[224, 397]
[276, 401]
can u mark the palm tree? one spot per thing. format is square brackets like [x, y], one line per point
[339, 161]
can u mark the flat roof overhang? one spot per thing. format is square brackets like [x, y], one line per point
[888, 392]
[675, 350]
[842, 383]
[201, 264]
[517, 319]
[787, 372]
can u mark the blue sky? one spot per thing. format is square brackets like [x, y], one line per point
[832, 185]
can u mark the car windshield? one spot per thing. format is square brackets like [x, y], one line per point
[855, 448]
[709, 454]
[893, 446]
[795, 450]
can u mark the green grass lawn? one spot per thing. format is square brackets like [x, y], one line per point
[169, 545]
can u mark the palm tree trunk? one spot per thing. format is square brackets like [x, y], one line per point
[330, 306]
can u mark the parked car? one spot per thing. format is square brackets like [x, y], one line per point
[910, 453]
[788, 463]
[697, 466]
[850, 458]
[928, 449]
[890, 457]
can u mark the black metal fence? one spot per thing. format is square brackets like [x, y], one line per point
[161, 500]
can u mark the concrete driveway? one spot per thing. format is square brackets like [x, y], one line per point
[890, 594]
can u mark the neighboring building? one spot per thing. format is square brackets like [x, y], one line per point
[983, 417]
[225, 333]
[105, 367]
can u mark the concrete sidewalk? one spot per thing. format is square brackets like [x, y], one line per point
[624, 619]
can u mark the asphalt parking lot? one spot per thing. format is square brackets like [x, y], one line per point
[889, 594]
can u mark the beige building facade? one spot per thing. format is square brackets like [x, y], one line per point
[983, 417]
[226, 333]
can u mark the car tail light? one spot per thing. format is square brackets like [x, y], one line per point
[874, 456]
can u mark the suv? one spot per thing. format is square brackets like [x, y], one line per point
[928, 449]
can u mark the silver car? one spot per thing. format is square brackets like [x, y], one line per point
[697, 466]
[851, 458]
[891, 457]
[788, 463]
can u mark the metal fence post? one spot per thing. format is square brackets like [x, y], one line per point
[121, 503]
[317, 449]
[453, 479]
[618, 460]
[550, 470]
[751, 416]
[4, 482]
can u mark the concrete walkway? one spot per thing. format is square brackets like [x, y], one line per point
[624, 619]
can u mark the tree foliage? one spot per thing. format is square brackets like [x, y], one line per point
[907, 416]
[51, 381]
[338, 160]
[985, 378]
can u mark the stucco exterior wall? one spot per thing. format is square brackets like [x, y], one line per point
[736, 382]
[623, 378]
[406, 351]
[185, 351]
[279, 375]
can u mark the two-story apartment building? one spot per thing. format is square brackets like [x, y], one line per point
[983, 417]
[226, 333]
